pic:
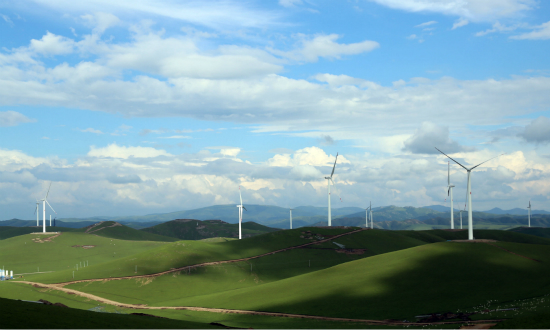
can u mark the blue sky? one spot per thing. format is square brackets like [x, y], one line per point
[143, 107]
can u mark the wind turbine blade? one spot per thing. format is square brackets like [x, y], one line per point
[48, 190]
[448, 191]
[452, 159]
[245, 208]
[487, 161]
[449, 173]
[51, 207]
[334, 166]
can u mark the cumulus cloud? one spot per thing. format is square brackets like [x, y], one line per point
[13, 118]
[51, 44]
[538, 131]
[124, 179]
[541, 32]
[326, 46]
[116, 151]
[429, 136]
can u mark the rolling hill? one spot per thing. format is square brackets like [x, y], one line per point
[189, 229]
[112, 229]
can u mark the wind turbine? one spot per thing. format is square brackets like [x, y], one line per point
[450, 193]
[290, 218]
[371, 219]
[529, 214]
[329, 179]
[241, 207]
[460, 219]
[36, 212]
[469, 192]
[367, 217]
[44, 201]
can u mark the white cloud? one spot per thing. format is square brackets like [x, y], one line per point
[13, 118]
[460, 23]
[541, 32]
[175, 137]
[7, 19]
[219, 14]
[327, 47]
[338, 80]
[412, 37]
[91, 130]
[425, 24]
[497, 27]
[290, 3]
[100, 21]
[479, 10]
[52, 44]
[116, 151]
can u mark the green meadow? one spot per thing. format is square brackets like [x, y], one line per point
[379, 275]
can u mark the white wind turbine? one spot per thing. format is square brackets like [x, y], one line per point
[460, 219]
[44, 201]
[241, 207]
[450, 193]
[329, 179]
[529, 214]
[469, 192]
[290, 218]
[367, 217]
[36, 212]
[371, 219]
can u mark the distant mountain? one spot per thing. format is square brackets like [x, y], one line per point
[440, 208]
[396, 213]
[516, 211]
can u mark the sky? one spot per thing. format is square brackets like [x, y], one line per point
[139, 107]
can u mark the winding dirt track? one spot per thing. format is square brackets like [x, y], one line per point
[240, 311]
[60, 287]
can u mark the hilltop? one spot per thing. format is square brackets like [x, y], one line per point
[112, 229]
[190, 229]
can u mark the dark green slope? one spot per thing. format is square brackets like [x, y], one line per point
[499, 235]
[430, 278]
[537, 231]
[112, 229]
[188, 229]
[28, 315]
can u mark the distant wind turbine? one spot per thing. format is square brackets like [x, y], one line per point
[36, 212]
[460, 219]
[367, 217]
[450, 193]
[329, 179]
[371, 219]
[44, 201]
[469, 192]
[241, 207]
[290, 218]
[529, 214]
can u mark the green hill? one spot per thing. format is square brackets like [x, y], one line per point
[29, 315]
[7, 232]
[187, 229]
[112, 229]
[426, 279]
[537, 231]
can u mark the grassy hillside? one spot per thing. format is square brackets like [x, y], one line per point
[537, 231]
[7, 232]
[187, 229]
[28, 315]
[426, 279]
[25, 254]
[112, 229]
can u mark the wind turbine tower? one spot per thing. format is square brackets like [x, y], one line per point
[371, 219]
[241, 207]
[450, 193]
[460, 219]
[367, 217]
[529, 214]
[44, 201]
[329, 179]
[469, 192]
[291, 218]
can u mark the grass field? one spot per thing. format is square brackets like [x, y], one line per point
[8, 232]
[399, 274]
